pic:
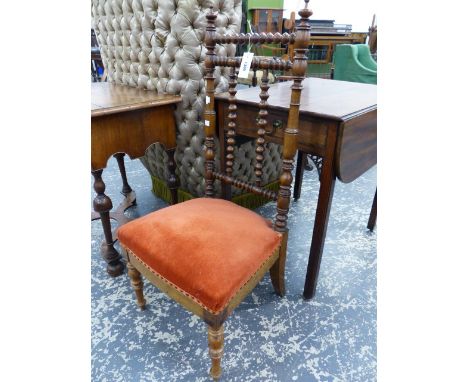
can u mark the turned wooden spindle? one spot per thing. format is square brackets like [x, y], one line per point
[137, 284]
[216, 347]
[231, 133]
[257, 63]
[210, 115]
[254, 77]
[290, 134]
[255, 38]
[245, 186]
[102, 204]
[261, 124]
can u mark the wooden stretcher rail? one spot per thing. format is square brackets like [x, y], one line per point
[245, 186]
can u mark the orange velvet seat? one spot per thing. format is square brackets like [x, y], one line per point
[207, 248]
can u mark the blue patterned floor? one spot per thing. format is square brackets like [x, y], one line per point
[331, 338]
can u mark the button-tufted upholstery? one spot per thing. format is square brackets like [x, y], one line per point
[158, 45]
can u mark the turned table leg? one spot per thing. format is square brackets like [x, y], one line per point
[102, 205]
[172, 181]
[126, 189]
[373, 214]
[130, 196]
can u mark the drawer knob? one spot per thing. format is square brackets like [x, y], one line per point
[278, 124]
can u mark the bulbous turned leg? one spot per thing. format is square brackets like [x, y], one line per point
[137, 284]
[102, 205]
[216, 347]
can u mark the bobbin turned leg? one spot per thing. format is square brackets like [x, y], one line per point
[137, 284]
[172, 181]
[102, 205]
[216, 347]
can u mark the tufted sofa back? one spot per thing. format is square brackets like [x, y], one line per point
[158, 45]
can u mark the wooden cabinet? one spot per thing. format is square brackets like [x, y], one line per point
[267, 20]
[321, 47]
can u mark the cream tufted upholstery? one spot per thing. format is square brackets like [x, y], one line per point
[158, 45]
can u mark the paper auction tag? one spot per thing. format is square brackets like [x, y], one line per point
[207, 100]
[245, 65]
[207, 123]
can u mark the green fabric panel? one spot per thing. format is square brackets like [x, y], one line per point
[349, 68]
[268, 4]
[365, 58]
[161, 190]
[247, 200]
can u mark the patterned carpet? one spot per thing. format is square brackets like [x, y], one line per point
[267, 338]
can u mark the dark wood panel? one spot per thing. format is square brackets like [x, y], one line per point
[356, 150]
[312, 135]
[108, 98]
[131, 132]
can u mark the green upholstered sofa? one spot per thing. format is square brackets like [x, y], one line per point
[354, 63]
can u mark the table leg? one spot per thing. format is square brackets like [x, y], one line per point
[130, 196]
[172, 181]
[126, 189]
[327, 186]
[373, 214]
[301, 162]
[102, 205]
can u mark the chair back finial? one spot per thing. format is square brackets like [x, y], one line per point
[305, 12]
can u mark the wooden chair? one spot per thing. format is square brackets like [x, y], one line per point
[208, 254]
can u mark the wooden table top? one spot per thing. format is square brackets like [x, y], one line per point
[338, 100]
[108, 98]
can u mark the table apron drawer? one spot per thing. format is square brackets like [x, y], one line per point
[312, 135]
